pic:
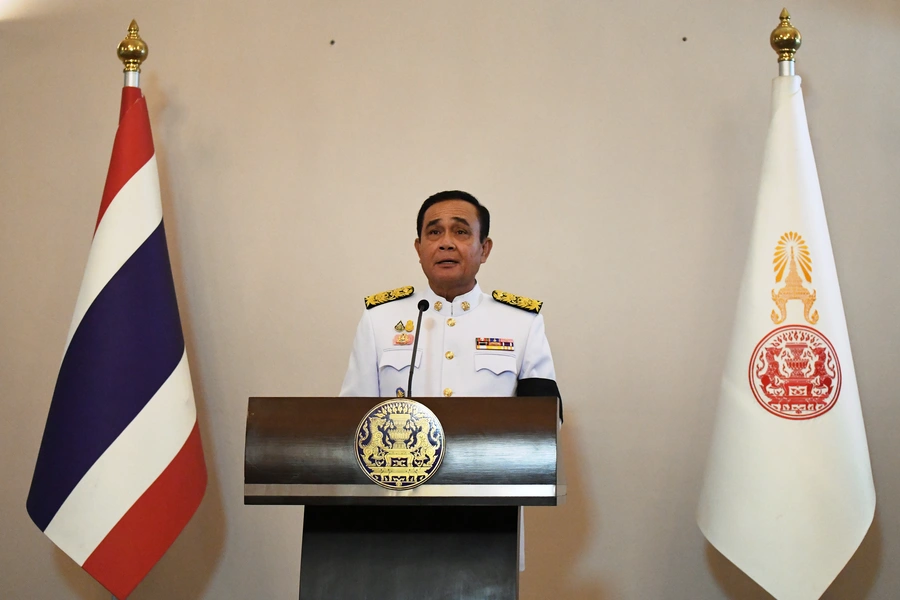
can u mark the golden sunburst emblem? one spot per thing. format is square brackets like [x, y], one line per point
[792, 254]
[791, 245]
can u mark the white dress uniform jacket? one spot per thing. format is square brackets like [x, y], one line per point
[449, 361]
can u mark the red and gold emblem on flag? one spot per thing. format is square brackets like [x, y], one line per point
[794, 371]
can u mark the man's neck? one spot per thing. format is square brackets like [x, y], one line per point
[450, 294]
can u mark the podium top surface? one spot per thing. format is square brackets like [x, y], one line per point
[500, 450]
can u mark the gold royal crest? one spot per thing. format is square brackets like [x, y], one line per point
[400, 444]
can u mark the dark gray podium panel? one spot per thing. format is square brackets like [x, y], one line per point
[499, 451]
[410, 553]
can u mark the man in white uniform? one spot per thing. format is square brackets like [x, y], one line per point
[470, 343]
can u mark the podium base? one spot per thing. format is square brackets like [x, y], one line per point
[410, 553]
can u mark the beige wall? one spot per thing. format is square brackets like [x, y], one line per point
[620, 163]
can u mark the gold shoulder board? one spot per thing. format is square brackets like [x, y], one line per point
[518, 301]
[388, 296]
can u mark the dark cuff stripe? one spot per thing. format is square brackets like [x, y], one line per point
[537, 386]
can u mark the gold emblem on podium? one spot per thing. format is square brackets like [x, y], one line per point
[400, 444]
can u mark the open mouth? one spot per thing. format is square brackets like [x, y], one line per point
[447, 263]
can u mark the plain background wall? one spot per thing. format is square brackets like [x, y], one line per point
[620, 163]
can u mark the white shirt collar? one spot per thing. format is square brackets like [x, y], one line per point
[461, 304]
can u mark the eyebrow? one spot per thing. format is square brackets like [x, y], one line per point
[455, 219]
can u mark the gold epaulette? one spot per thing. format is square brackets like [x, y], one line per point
[388, 296]
[518, 301]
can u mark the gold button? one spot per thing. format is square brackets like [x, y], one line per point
[451, 321]
[438, 305]
[448, 392]
[449, 355]
[465, 306]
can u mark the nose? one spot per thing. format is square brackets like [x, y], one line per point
[447, 242]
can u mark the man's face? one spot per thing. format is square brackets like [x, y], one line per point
[450, 248]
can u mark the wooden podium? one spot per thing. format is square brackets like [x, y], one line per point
[453, 537]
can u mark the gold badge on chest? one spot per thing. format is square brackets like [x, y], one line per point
[408, 327]
[404, 339]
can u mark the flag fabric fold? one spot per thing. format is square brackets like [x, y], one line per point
[120, 469]
[788, 494]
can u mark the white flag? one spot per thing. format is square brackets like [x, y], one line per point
[788, 494]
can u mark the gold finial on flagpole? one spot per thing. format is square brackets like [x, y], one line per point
[132, 50]
[785, 38]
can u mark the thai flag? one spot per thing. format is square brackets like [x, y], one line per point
[120, 470]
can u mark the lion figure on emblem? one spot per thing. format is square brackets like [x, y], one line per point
[371, 442]
[426, 440]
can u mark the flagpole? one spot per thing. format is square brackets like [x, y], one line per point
[785, 40]
[132, 52]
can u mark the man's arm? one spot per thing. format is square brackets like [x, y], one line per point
[361, 378]
[538, 376]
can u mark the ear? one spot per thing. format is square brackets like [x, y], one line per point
[486, 246]
[417, 243]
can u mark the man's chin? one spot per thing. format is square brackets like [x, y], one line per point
[448, 276]
[446, 273]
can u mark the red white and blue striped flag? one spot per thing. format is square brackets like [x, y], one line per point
[120, 470]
